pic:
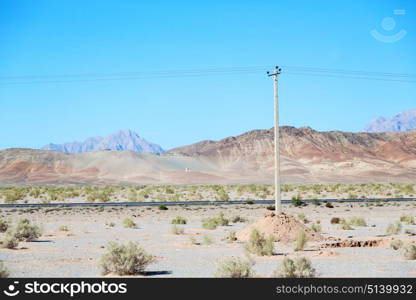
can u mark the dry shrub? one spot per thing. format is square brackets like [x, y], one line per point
[9, 242]
[409, 252]
[258, 244]
[393, 229]
[235, 267]
[129, 223]
[129, 259]
[24, 231]
[396, 244]
[179, 220]
[298, 268]
[335, 220]
[300, 241]
[4, 272]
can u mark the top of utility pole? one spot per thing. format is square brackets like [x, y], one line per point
[277, 71]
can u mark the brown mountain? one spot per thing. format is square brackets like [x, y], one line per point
[307, 156]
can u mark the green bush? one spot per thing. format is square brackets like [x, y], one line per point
[129, 259]
[163, 207]
[235, 268]
[393, 229]
[4, 272]
[297, 201]
[258, 244]
[24, 231]
[299, 268]
[179, 220]
[129, 223]
[300, 241]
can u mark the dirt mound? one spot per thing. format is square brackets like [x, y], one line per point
[282, 227]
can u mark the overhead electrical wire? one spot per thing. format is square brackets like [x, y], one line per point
[150, 74]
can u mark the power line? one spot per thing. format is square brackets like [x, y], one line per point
[224, 71]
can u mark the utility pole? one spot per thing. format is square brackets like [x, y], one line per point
[277, 196]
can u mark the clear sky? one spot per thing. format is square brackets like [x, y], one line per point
[42, 37]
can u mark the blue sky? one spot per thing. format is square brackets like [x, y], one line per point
[75, 37]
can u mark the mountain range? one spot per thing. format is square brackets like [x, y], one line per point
[308, 156]
[403, 121]
[121, 140]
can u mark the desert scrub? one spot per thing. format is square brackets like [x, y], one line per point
[297, 201]
[4, 272]
[24, 231]
[235, 267]
[63, 228]
[212, 223]
[4, 225]
[393, 229]
[335, 220]
[193, 240]
[396, 244]
[178, 220]
[300, 241]
[231, 236]
[409, 251]
[302, 217]
[9, 242]
[409, 220]
[357, 221]
[129, 259]
[298, 268]
[238, 219]
[316, 227]
[221, 220]
[163, 207]
[129, 223]
[177, 230]
[258, 244]
[207, 240]
[344, 225]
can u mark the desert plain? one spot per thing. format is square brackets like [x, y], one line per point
[73, 239]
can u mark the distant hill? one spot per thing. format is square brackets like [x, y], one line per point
[121, 140]
[403, 121]
[307, 156]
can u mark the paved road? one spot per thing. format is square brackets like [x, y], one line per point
[212, 202]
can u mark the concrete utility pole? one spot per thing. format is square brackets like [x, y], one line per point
[277, 196]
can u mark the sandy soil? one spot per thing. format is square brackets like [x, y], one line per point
[76, 253]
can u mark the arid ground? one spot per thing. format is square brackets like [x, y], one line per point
[75, 251]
